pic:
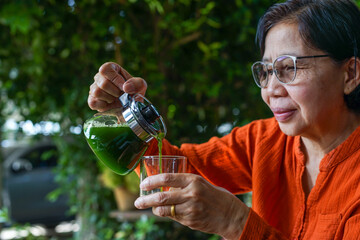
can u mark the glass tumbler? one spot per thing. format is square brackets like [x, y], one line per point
[152, 165]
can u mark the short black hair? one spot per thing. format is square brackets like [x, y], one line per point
[332, 26]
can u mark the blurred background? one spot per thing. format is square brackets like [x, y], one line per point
[195, 56]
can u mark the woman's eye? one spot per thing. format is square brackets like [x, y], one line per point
[289, 68]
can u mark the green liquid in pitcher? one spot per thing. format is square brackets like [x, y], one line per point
[117, 147]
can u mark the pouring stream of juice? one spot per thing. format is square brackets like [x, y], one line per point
[159, 139]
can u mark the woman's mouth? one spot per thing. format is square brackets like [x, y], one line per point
[282, 115]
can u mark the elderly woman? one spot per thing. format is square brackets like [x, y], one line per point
[302, 164]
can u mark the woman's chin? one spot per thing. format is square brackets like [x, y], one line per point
[289, 128]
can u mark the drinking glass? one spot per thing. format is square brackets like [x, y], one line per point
[152, 165]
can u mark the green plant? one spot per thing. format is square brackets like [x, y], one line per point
[4, 215]
[147, 228]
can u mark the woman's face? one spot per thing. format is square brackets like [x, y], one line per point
[313, 103]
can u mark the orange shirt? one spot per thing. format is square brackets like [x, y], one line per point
[260, 158]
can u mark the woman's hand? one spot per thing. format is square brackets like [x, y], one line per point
[109, 84]
[197, 204]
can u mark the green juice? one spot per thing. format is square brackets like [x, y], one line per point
[117, 147]
[159, 138]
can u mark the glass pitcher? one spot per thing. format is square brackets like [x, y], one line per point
[119, 137]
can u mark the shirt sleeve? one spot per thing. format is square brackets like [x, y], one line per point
[352, 227]
[257, 229]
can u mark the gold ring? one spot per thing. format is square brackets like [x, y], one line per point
[173, 214]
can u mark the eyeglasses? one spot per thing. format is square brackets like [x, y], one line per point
[284, 68]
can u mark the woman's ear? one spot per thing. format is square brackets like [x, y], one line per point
[352, 79]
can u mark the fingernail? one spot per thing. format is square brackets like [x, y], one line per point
[143, 184]
[129, 87]
[113, 66]
[137, 203]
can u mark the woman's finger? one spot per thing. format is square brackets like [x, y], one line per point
[185, 211]
[174, 211]
[100, 105]
[113, 72]
[118, 69]
[155, 199]
[161, 199]
[135, 85]
[101, 95]
[106, 85]
[96, 104]
[176, 180]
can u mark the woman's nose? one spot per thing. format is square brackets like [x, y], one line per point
[274, 86]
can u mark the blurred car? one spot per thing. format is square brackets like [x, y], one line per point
[28, 179]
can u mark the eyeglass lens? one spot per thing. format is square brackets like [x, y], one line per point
[283, 67]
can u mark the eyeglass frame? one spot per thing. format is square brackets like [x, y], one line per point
[294, 58]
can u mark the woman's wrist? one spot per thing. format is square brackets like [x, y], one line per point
[238, 216]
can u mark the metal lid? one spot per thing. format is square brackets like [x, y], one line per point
[142, 117]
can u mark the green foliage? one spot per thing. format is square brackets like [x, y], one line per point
[4, 215]
[138, 231]
[148, 229]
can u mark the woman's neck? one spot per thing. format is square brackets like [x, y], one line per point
[315, 149]
[316, 146]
